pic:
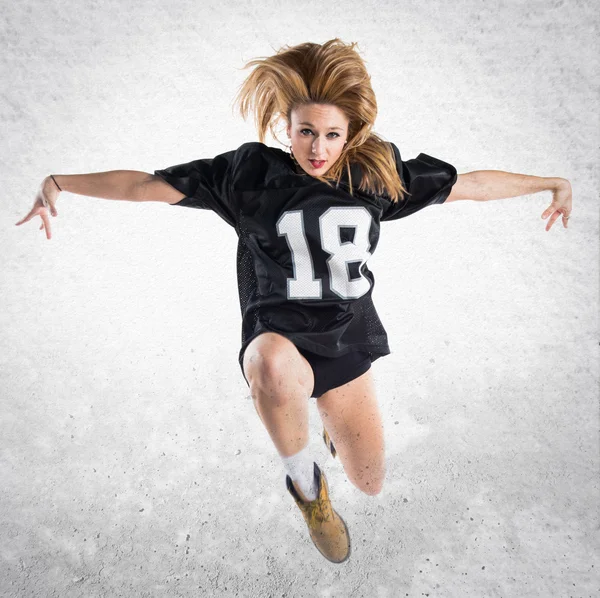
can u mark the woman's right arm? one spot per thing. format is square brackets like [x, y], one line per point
[129, 185]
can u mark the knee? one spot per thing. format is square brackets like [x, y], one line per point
[372, 488]
[270, 377]
[370, 484]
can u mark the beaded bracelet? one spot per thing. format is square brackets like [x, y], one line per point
[52, 177]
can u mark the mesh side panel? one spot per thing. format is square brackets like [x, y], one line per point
[373, 328]
[247, 285]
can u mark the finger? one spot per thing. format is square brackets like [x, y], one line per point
[565, 220]
[46, 223]
[552, 220]
[27, 218]
[548, 211]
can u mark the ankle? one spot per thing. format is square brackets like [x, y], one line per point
[301, 469]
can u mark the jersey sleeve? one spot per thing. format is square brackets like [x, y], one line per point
[206, 184]
[428, 181]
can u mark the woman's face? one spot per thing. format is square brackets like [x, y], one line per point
[317, 132]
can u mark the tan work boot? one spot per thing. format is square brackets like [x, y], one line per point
[328, 443]
[327, 529]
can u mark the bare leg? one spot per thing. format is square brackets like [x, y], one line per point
[351, 416]
[281, 382]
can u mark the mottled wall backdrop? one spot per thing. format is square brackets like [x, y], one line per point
[133, 463]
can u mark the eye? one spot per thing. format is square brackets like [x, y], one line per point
[332, 133]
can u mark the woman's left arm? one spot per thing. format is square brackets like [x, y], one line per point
[483, 185]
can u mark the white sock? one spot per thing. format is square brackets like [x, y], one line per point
[301, 469]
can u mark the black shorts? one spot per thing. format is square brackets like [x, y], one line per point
[331, 372]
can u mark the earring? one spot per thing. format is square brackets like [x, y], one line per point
[293, 157]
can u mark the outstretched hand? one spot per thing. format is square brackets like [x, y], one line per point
[562, 201]
[44, 200]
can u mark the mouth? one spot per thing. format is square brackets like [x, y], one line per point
[317, 163]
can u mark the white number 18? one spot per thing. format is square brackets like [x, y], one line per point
[304, 285]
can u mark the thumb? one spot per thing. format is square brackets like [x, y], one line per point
[50, 207]
[547, 212]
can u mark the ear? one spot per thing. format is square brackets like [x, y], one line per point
[289, 130]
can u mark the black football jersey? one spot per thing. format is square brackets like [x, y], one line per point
[303, 247]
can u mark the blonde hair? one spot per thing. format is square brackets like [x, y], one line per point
[330, 73]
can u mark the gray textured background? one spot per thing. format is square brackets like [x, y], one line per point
[133, 464]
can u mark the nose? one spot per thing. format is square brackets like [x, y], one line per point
[317, 147]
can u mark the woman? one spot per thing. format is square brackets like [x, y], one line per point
[307, 223]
